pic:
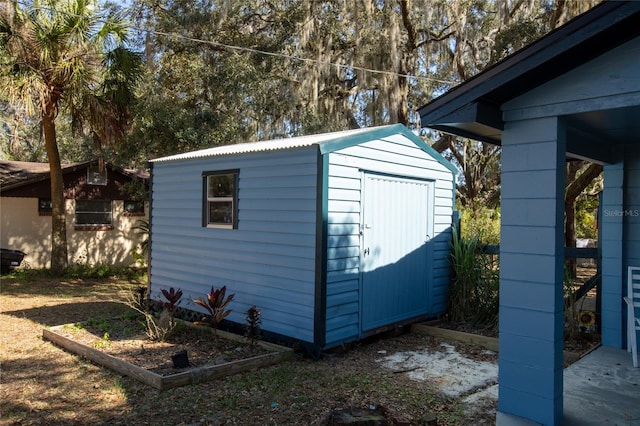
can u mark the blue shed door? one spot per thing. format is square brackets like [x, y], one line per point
[397, 220]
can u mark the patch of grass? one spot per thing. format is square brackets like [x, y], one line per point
[40, 282]
[103, 342]
[299, 391]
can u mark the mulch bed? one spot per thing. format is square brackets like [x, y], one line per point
[125, 338]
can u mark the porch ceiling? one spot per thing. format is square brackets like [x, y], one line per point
[612, 126]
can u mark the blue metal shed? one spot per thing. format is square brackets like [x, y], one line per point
[333, 237]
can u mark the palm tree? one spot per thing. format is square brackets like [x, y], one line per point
[62, 56]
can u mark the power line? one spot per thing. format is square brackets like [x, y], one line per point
[266, 53]
[292, 57]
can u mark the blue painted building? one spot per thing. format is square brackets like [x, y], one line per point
[572, 94]
[333, 237]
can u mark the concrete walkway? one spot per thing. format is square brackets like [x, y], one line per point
[601, 389]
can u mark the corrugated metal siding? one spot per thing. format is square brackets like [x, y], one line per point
[270, 145]
[269, 261]
[395, 155]
[397, 225]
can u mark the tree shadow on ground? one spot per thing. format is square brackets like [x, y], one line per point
[66, 313]
[100, 394]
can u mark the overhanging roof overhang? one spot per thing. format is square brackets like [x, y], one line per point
[472, 109]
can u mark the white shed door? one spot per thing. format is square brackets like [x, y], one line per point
[397, 221]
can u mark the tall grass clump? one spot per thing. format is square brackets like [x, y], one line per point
[473, 296]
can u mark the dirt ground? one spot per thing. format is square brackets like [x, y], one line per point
[42, 384]
[126, 338]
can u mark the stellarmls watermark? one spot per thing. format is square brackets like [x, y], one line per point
[621, 213]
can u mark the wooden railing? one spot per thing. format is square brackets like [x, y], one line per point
[573, 253]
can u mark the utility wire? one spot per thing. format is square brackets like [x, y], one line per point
[263, 52]
[292, 57]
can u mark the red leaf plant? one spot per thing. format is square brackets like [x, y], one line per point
[173, 299]
[216, 304]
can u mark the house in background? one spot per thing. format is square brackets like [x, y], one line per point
[99, 215]
[574, 94]
[333, 237]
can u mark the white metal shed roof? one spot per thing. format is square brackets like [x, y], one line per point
[270, 145]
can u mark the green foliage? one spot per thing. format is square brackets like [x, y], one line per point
[516, 36]
[135, 190]
[141, 228]
[483, 224]
[103, 271]
[586, 206]
[66, 58]
[473, 297]
[571, 308]
[104, 341]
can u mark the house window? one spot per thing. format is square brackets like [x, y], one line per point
[93, 213]
[133, 208]
[45, 207]
[220, 207]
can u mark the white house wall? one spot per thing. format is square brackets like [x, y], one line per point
[394, 155]
[269, 261]
[22, 228]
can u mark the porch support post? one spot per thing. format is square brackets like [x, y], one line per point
[611, 239]
[532, 272]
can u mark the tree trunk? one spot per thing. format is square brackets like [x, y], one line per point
[574, 187]
[58, 217]
[570, 234]
[570, 217]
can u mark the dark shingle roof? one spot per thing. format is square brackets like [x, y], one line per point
[17, 173]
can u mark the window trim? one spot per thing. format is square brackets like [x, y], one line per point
[133, 212]
[233, 198]
[92, 226]
[48, 211]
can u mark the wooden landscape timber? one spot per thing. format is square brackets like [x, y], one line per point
[489, 343]
[192, 375]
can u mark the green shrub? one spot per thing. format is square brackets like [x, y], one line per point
[474, 293]
[102, 271]
[483, 224]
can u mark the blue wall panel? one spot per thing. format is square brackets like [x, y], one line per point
[269, 261]
[611, 230]
[394, 155]
[531, 270]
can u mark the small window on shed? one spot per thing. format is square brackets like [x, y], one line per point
[220, 209]
[45, 207]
